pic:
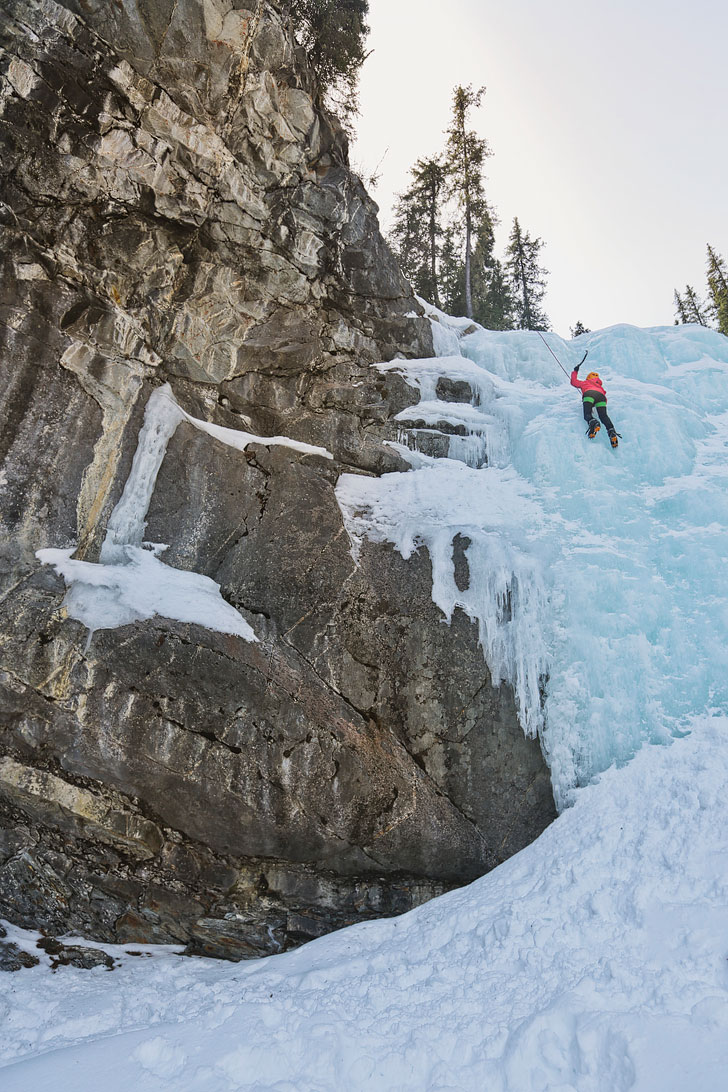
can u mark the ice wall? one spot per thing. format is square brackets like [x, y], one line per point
[127, 522]
[601, 572]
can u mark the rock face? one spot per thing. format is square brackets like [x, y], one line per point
[176, 208]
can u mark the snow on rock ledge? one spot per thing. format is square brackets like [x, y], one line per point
[132, 584]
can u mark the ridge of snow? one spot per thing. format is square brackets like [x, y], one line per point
[239, 439]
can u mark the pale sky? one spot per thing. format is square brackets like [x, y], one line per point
[607, 123]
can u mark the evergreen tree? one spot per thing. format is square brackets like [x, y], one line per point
[718, 288]
[417, 231]
[690, 308]
[527, 279]
[494, 305]
[452, 274]
[492, 302]
[333, 34]
[580, 328]
[480, 263]
[681, 311]
[465, 155]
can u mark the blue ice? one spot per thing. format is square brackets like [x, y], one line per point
[634, 541]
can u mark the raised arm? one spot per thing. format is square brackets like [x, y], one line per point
[575, 381]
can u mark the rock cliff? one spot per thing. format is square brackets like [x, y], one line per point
[176, 209]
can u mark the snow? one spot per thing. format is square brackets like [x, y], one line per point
[237, 438]
[131, 583]
[593, 960]
[596, 960]
[139, 587]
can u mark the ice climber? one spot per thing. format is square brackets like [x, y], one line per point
[594, 397]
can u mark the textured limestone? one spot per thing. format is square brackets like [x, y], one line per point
[57, 803]
[175, 207]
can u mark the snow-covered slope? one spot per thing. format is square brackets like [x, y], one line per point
[596, 960]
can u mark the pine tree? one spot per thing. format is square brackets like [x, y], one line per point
[417, 231]
[527, 279]
[681, 311]
[690, 308]
[492, 300]
[494, 305]
[580, 328]
[452, 274]
[333, 34]
[465, 155]
[718, 288]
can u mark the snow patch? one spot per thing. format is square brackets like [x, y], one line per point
[139, 586]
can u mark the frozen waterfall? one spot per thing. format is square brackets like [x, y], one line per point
[591, 570]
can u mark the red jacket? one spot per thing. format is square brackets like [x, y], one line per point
[587, 385]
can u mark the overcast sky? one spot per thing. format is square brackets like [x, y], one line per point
[607, 123]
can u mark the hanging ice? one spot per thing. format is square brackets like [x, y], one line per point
[162, 416]
[127, 522]
[428, 507]
[592, 568]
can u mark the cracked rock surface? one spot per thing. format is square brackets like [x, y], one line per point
[175, 207]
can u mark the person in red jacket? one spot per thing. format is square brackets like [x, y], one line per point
[594, 397]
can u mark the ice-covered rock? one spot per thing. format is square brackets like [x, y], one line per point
[591, 570]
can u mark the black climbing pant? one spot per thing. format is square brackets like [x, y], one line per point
[601, 408]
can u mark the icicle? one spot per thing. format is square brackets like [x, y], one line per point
[506, 595]
[471, 449]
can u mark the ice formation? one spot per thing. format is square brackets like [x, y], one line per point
[429, 506]
[591, 570]
[139, 586]
[131, 583]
